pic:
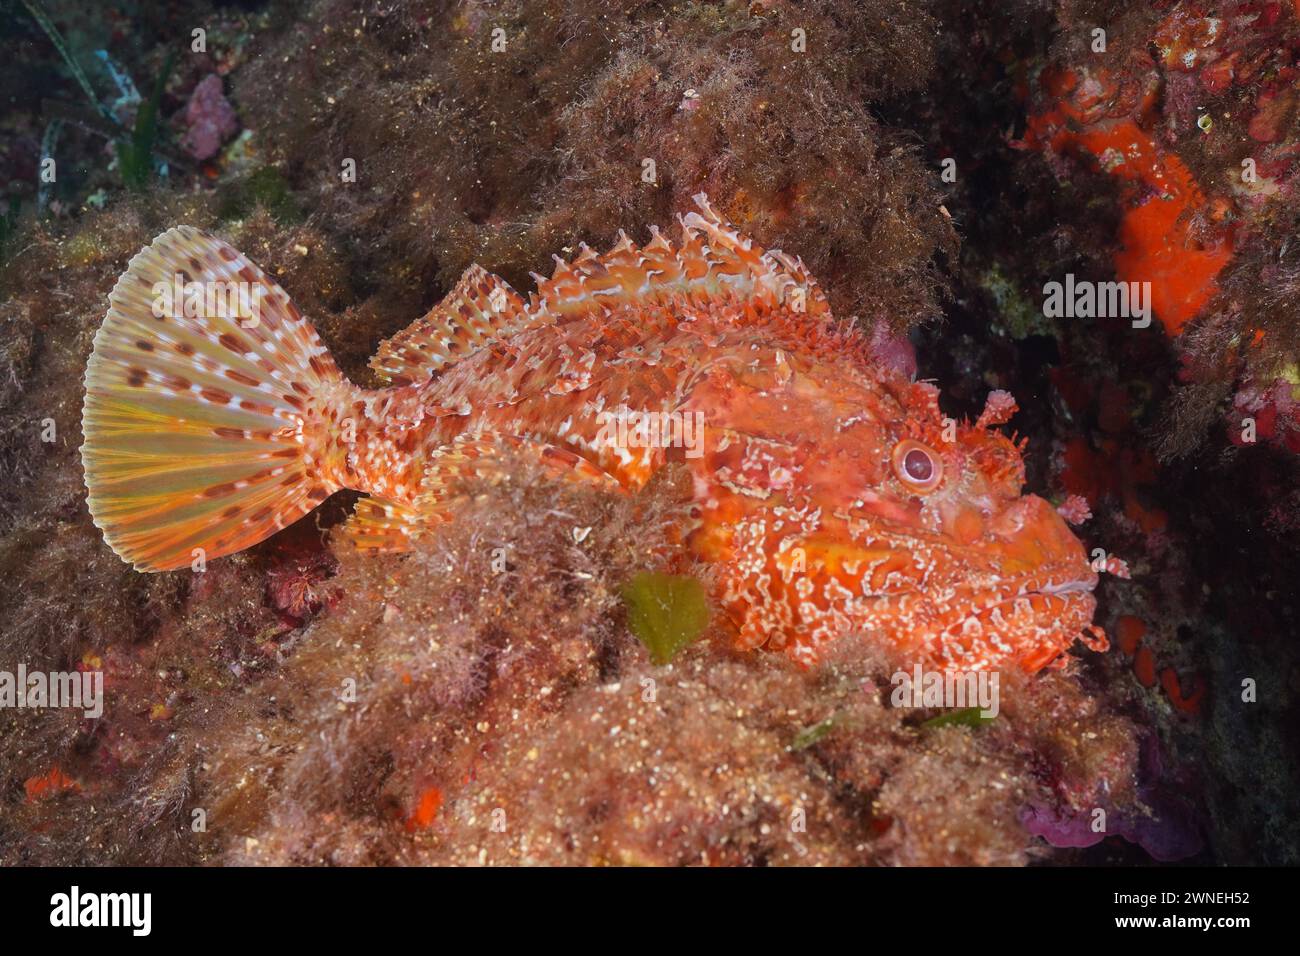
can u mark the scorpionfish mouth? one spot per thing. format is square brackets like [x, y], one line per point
[1028, 595]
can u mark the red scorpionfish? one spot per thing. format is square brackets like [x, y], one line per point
[830, 492]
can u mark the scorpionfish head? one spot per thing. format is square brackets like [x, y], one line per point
[995, 576]
[858, 507]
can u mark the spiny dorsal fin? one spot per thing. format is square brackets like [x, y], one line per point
[481, 309]
[714, 261]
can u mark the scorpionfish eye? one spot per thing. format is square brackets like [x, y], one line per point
[919, 468]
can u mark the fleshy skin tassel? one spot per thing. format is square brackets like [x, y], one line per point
[830, 491]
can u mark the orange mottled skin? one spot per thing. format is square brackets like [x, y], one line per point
[831, 493]
[796, 471]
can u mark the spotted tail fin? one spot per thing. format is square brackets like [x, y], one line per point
[205, 398]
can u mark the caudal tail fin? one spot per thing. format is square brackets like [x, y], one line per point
[205, 399]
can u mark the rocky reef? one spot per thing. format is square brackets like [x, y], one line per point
[489, 698]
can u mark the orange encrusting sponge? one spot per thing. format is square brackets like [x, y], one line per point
[1155, 238]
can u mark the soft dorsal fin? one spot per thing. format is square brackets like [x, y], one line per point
[481, 309]
[714, 262]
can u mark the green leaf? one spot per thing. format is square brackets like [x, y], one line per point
[810, 735]
[666, 612]
[966, 717]
[135, 155]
